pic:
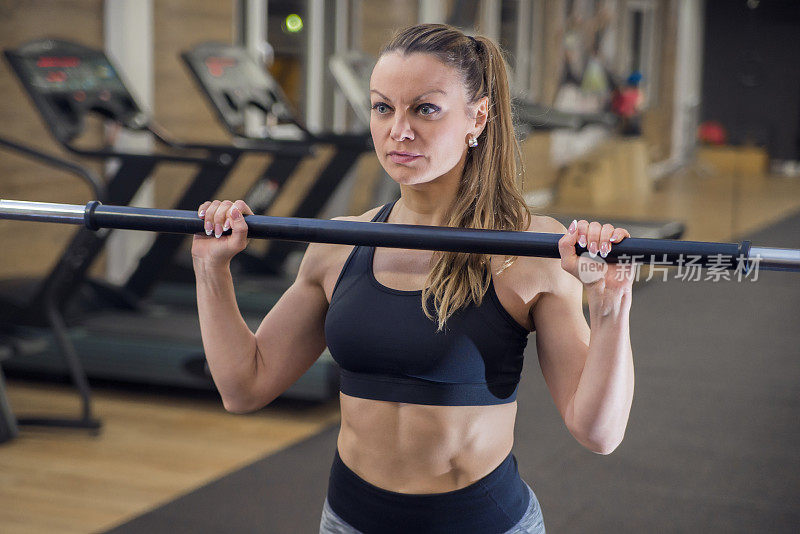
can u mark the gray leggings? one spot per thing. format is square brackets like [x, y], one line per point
[531, 522]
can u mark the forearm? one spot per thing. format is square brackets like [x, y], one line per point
[600, 408]
[229, 344]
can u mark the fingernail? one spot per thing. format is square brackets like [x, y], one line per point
[592, 249]
[613, 238]
[201, 213]
[582, 241]
[227, 225]
[217, 231]
[573, 226]
[209, 228]
[605, 248]
[235, 213]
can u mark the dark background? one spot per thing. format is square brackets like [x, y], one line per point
[751, 73]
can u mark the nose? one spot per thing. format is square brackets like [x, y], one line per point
[401, 128]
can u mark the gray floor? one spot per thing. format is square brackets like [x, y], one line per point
[712, 444]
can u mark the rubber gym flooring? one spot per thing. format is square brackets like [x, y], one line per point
[711, 444]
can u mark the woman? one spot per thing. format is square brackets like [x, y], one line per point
[430, 344]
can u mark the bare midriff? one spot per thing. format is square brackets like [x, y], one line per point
[414, 448]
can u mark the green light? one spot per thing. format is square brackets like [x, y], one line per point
[294, 23]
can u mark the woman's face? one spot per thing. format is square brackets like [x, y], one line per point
[421, 117]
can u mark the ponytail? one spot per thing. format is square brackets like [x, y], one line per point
[488, 196]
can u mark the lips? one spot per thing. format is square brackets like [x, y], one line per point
[403, 157]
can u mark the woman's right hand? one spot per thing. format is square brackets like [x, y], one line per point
[214, 248]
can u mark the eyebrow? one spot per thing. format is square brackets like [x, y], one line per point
[418, 97]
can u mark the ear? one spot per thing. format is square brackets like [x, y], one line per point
[480, 115]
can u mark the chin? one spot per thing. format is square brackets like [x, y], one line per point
[408, 178]
[404, 175]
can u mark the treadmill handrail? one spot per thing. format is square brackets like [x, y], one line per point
[106, 152]
[285, 147]
[92, 180]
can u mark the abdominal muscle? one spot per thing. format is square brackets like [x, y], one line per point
[414, 448]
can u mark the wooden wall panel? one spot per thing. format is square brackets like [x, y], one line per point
[28, 248]
[179, 106]
[657, 122]
[179, 25]
[553, 68]
[381, 19]
[539, 173]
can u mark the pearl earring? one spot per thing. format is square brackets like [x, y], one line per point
[472, 142]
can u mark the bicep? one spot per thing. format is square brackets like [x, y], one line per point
[562, 337]
[291, 337]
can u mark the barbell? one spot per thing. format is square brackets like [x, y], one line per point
[664, 252]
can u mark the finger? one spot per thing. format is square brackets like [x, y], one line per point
[593, 238]
[619, 235]
[220, 216]
[226, 225]
[566, 245]
[583, 229]
[572, 233]
[210, 214]
[573, 227]
[238, 226]
[201, 211]
[243, 208]
[605, 239]
[566, 249]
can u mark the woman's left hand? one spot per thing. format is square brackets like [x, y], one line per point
[597, 239]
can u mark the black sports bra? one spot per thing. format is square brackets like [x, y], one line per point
[387, 349]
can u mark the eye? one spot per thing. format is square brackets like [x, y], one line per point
[427, 109]
[380, 107]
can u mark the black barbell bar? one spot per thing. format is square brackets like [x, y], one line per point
[662, 252]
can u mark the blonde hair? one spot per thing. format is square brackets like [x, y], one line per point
[488, 196]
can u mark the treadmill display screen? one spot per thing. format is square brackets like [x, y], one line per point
[58, 74]
[228, 71]
[218, 65]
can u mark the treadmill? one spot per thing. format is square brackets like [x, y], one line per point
[116, 332]
[352, 71]
[9, 423]
[24, 344]
[234, 83]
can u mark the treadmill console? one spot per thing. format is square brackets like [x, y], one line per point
[67, 81]
[234, 82]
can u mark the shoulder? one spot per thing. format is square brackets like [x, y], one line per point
[550, 268]
[545, 223]
[556, 278]
[321, 259]
[541, 224]
[530, 276]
